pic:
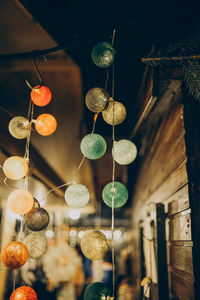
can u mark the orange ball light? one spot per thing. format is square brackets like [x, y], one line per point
[24, 293]
[20, 202]
[45, 124]
[14, 255]
[15, 167]
[41, 96]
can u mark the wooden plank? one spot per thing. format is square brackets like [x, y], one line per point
[178, 201]
[181, 288]
[163, 137]
[180, 227]
[180, 257]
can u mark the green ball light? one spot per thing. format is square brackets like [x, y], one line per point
[97, 291]
[96, 99]
[103, 54]
[120, 194]
[93, 146]
[77, 196]
[124, 152]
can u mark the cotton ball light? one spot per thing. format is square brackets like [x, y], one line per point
[97, 291]
[93, 146]
[119, 113]
[15, 167]
[36, 244]
[18, 127]
[120, 194]
[103, 54]
[23, 293]
[45, 124]
[77, 196]
[14, 255]
[20, 202]
[37, 219]
[124, 152]
[96, 99]
[94, 244]
[41, 96]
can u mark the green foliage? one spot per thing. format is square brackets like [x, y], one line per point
[191, 67]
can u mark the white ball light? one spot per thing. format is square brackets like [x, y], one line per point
[36, 244]
[15, 167]
[77, 196]
[124, 152]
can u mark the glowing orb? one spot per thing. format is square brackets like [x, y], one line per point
[119, 113]
[18, 127]
[103, 54]
[24, 293]
[124, 152]
[41, 96]
[97, 291]
[45, 124]
[20, 202]
[96, 99]
[14, 255]
[120, 194]
[36, 244]
[37, 219]
[94, 244]
[77, 196]
[93, 146]
[15, 167]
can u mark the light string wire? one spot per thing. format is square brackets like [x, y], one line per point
[113, 175]
[73, 180]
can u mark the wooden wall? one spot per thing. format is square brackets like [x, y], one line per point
[165, 176]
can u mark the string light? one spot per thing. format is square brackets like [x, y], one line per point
[96, 99]
[115, 113]
[77, 196]
[94, 244]
[37, 219]
[97, 291]
[36, 244]
[24, 293]
[18, 127]
[103, 54]
[124, 152]
[15, 167]
[14, 255]
[41, 96]
[93, 146]
[45, 124]
[120, 194]
[20, 202]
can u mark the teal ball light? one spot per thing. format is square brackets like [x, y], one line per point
[120, 194]
[103, 54]
[97, 291]
[93, 146]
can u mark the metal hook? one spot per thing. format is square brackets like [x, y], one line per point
[38, 75]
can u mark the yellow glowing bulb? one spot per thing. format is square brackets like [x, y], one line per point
[15, 167]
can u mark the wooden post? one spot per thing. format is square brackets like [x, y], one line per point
[163, 293]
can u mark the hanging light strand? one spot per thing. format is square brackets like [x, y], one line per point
[113, 178]
[77, 170]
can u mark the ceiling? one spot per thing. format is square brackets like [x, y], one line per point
[28, 25]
